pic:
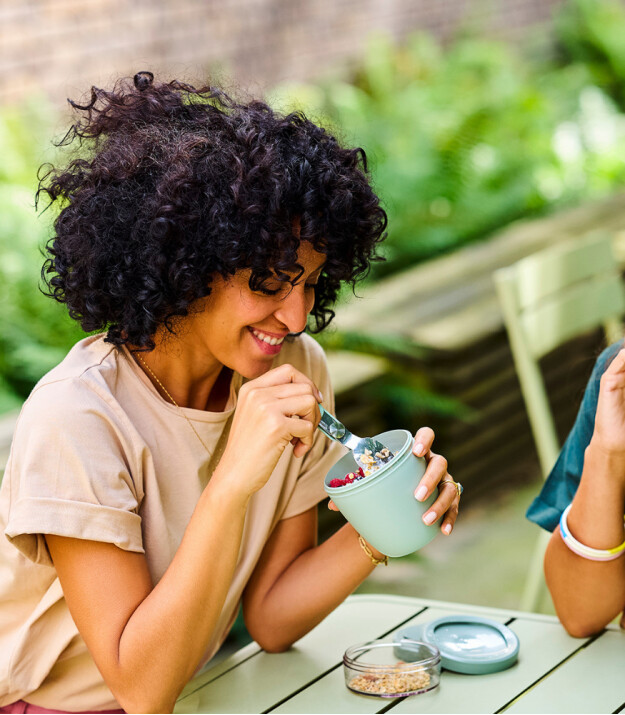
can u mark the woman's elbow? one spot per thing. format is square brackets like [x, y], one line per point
[581, 628]
[137, 697]
[145, 702]
[579, 623]
[579, 618]
[274, 646]
[578, 630]
[269, 641]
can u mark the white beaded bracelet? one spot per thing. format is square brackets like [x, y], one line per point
[586, 551]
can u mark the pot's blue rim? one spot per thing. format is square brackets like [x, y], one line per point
[361, 483]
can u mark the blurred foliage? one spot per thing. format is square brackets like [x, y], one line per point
[467, 139]
[590, 33]
[462, 140]
[401, 393]
[35, 331]
[380, 344]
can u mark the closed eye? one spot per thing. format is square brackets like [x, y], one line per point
[263, 290]
[268, 291]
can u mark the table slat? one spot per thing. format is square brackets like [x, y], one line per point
[592, 681]
[188, 700]
[542, 646]
[330, 695]
[265, 679]
[309, 678]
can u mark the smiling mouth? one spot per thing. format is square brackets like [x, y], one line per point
[268, 339]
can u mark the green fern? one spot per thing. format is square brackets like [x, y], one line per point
[379, 345]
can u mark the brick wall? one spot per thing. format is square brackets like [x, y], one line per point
[64, 46]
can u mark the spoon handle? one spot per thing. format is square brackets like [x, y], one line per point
[331, 427]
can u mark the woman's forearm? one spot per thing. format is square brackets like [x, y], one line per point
[312, 586]
[589, 594]
[164, 639]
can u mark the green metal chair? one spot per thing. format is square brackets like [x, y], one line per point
[546, 299]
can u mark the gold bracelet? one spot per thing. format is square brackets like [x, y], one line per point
[367, 550]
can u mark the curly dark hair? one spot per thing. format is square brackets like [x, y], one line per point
[171, 185]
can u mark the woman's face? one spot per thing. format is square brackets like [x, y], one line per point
[244, 329]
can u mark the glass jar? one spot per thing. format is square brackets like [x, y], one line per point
[374, 668]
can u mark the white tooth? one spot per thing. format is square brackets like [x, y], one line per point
[267, 338]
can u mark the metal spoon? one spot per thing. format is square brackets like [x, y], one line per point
[336, 430]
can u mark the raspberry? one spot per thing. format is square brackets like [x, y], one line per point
[336, 483]
[360, 471]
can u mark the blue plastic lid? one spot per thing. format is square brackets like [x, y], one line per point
[468, 644]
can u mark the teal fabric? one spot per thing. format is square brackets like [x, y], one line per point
[561, 484]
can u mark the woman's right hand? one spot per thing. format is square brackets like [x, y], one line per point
[273, 410]
[609, 432]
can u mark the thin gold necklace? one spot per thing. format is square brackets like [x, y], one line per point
[164, 389]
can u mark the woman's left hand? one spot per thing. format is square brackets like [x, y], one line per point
[435, 473]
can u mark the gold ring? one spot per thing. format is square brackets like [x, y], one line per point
[457, 485]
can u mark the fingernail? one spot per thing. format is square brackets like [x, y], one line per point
[420, 493]
[319, 396]
[417, 449]
[447, 529]
[429, 517]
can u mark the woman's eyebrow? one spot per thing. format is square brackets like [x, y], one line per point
[305, 276]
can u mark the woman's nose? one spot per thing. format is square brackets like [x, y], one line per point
[294, 308]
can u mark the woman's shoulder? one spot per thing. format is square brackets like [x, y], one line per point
[89, 353]
[76, 384]
[76, 409]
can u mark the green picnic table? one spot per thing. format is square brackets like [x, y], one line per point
[555, 673]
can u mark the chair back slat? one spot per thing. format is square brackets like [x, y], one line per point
[547, 299]
[528, 372]
[551, 271]
[576, 310]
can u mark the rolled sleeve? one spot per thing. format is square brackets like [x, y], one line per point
[69, 474]
[563, 480]
[33, 517]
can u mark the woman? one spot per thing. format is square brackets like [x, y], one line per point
[583, 502]
[170, 467]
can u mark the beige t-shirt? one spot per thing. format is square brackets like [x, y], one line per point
[98, 454]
